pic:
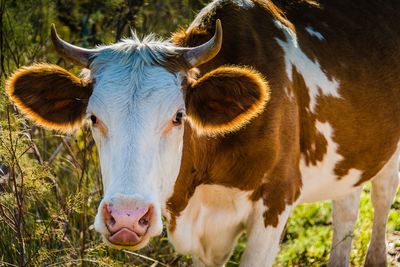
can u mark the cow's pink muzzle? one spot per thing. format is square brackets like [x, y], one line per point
[127, 225]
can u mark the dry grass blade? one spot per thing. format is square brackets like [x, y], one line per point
[58, 149]
[155, 262]
[2, 263]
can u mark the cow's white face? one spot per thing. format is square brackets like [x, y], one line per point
[136, 114]
[136, 104]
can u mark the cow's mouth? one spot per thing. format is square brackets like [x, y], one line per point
[125, 237]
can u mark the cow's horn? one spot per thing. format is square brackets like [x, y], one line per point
[75, 54]
[198, 55]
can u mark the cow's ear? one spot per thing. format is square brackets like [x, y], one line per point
[225, 99]
[50, 95]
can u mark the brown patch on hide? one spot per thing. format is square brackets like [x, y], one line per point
[313, 145]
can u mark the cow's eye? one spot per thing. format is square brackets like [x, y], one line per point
[97, 124]
[93, 118]
[178, 117]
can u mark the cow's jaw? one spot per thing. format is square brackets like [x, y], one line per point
[140, 149]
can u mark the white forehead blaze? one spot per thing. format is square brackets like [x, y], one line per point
[136, 99]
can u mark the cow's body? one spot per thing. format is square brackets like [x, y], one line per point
[328, 122]
[332, 123]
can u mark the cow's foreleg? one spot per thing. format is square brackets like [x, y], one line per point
[384, 187]
[344, 213]
[263, 242]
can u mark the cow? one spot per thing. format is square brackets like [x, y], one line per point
[256, 107]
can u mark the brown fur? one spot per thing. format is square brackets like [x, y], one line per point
[263, 157]
[226, 99]
[50, 95]
[313, 145]
[252, 158]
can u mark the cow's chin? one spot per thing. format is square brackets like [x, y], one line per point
[141, 244]
[154, 231]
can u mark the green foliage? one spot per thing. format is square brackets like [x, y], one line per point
[49, 197]
[308, 235]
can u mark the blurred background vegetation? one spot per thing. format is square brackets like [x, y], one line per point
[50, 184]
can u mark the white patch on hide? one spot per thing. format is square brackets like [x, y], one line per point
[314, 33]
[211, 223]
[314, 76]
[319, 181]
[263, 242]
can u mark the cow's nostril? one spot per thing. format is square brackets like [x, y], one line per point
[144, 222]
[111, 221]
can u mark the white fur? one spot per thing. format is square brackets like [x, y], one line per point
[314, 33]
[314, 76]
[344, 214]
[211, 223]
[136, 99]
[215, 217]
[263, 242]
[319, 181]
[289, 34]
[245, 4]
[384, 188]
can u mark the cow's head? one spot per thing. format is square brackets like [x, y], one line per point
[137, 97]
